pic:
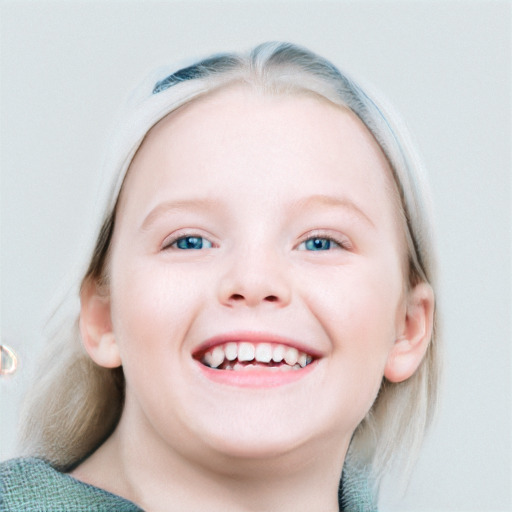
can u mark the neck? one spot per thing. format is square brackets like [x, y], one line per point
[159, 479]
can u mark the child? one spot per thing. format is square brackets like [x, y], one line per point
[258, 310]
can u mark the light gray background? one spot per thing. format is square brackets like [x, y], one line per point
[446, 65]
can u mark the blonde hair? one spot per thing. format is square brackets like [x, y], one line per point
[77, 404]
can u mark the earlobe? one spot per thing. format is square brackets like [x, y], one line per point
[410, 347]
[96, 326]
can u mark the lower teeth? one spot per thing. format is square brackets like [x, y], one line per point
[237, 367]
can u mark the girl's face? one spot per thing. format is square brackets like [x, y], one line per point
[251, 224]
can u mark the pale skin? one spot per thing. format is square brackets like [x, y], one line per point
[255, 179]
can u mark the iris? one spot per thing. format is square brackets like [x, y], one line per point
[318, 244]
[192, 242]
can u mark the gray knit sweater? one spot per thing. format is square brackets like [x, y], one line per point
[33, 485]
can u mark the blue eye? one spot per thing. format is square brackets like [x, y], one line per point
[192, 242]
[318, 244]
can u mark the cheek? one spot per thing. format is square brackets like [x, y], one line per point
[356, 309]
[151, 305]
[360, 299]
[153, 310]
[360, 310]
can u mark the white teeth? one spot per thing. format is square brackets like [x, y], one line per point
[291, 356]
[263, 353]
[246, 351]
[231, 350]
[207, 359]
[278, 353]
[230, 355]
[217, 357]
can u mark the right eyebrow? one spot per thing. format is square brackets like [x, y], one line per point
[198, 204]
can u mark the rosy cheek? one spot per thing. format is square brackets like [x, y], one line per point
[355, 303]
[149, 296]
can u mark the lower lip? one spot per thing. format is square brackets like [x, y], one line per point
[256, 377]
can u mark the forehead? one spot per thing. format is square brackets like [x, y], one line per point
[245, 142]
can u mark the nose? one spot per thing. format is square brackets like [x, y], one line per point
[253, 280]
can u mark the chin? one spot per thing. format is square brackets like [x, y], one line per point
[267, 436]
[256, 447]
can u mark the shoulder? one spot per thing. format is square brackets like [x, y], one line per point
[31, 484]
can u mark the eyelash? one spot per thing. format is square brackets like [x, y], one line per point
[172, 243]
[319, 238]
[339, 244]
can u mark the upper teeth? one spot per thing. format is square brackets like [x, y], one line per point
[259, 352]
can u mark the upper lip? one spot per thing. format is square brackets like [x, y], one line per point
[255, 337]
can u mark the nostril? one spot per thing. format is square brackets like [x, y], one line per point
[271, 298]
[237, 297]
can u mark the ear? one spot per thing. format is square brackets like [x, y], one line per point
[410, 347]
[96, 325]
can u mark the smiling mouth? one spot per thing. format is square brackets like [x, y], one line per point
[246, 356]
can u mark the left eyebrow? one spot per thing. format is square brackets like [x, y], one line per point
[199, 204]
[332, 201]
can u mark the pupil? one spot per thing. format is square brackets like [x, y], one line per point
[194, 242]
[318, 244]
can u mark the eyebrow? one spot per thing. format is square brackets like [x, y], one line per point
[333, 201]
[206, 204]
[209, 204]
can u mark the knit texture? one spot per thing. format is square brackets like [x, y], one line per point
[355, 493]
[32, 485]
